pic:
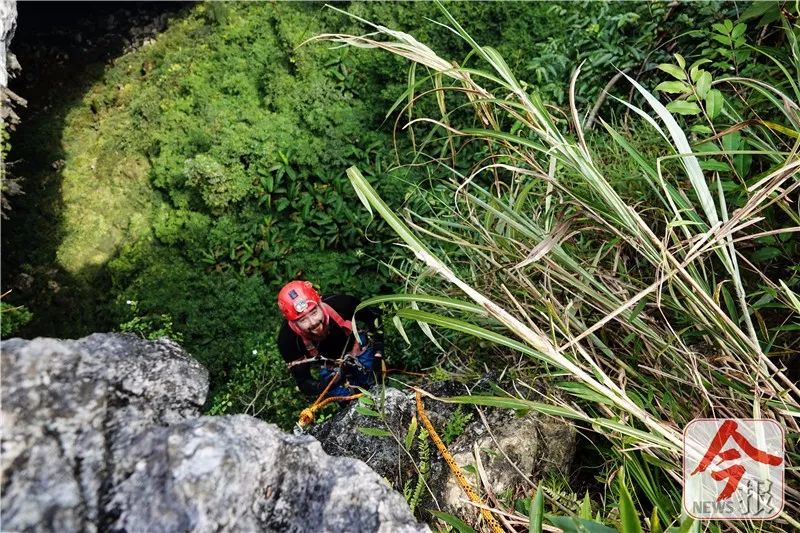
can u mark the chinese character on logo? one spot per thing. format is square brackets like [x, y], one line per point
[747, 455]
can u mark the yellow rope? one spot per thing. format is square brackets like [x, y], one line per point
[487, 514]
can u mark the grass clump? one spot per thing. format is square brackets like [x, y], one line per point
[642, 309]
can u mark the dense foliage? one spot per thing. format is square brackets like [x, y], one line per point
[175, 193]
[633, 292]
[205, 169]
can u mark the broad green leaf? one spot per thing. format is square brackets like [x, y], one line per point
[682, 107]
[724, 39]
[681, 61]
[732, 141]
[742, 163]
[366, 411]
[708, 148]
[673, 70]
[738, 30]
[767, 10]
[756, 9]
[374, 432]
[585, 510]
[703, 83]
[762, 255]
[536, 512]
[673, 87]
[711, 164]
[458, 524]
[714, 101]
[720, 28]
[578, 525]
[629, 519]
[700, 128]
[698, 63]
[412, 431]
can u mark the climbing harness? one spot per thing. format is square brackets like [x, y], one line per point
[465, 486]
[307, 415]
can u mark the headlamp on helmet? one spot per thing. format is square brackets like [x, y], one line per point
[297, 298]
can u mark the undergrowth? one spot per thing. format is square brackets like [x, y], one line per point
[637, 297]
[205, 169]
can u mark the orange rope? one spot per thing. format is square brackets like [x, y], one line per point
[307, 414]
[487, 514]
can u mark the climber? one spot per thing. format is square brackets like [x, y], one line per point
[318, 333]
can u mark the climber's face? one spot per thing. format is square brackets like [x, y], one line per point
[313, 322]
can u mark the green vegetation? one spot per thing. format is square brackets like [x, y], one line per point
[629, 304]
[413, 490]
[636, 248]
[205, 169]
[13, 318]
[455, 425]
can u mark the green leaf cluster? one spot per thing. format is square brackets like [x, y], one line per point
[12, 318]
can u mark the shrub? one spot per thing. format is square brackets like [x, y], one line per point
[12, 318]
[218, 186]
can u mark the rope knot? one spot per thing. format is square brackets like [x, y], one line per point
[306, 417]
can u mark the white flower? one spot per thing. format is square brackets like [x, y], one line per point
[129, 302]
[255, 352]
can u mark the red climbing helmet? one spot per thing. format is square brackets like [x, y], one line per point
[296, 298]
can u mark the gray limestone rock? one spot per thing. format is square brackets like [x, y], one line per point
[8, 25]
[103, 433]
[529, 446]
[71, 408]
[239, 473]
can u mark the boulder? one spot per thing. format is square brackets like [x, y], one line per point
[104, 433]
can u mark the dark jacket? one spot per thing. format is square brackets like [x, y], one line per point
[335, 344]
